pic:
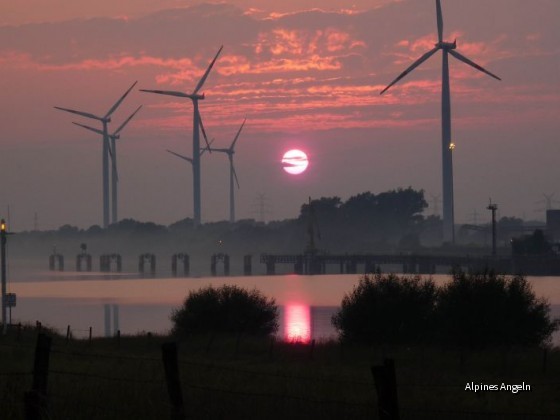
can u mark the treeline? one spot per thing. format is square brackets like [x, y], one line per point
[388, 222]
[366, 222]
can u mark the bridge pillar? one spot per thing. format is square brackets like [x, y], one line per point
[270, 268]
[213, 265]
[56, 262]
[247, 265]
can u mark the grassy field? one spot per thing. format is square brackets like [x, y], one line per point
[230, 377]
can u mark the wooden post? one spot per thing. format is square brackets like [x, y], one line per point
[171, 367]
[35, 401]
[119, 338]
[311, 349]
[90, 335]
[386, 387]
[67, 334]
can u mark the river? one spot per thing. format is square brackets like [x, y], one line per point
[84, 300]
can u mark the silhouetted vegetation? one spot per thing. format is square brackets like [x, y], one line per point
[473, 310]
[387, 309]
[535, 244]
[487, 309]
[226, 309]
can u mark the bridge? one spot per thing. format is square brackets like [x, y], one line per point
[311, 263]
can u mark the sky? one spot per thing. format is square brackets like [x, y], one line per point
[305, 74]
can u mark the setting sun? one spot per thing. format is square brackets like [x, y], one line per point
[295, 162]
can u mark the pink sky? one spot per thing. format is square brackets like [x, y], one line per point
[304, 77]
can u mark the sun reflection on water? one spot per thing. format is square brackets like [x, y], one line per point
[297, 322]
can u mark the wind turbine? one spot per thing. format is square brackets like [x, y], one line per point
[195, 97]
[188, 159]
[447, 146]
[230, 152]
[106, 119]
[113, 152]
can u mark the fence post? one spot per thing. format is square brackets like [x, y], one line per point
[311, 349]
[90, 335]
[386, 387]
[67, 334]
[35, 401]
[171, 367]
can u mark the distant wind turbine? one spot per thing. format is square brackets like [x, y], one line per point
[113, 152]
[105, 154]
[447, 146]
[195, 97]
[230, 151]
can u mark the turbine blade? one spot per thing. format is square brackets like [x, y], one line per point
[126, 121]
[201, 82]
[237, 135]
[167, 92]
[96, 130]
[233, 171]
[110, 151]
[412, 67]
[83, 114]
[180, 156]
[464, 59]
[209, 149]
[439, 20]
[204, 132]
[114, 107]
[115, 167]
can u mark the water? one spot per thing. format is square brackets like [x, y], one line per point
[307, 303]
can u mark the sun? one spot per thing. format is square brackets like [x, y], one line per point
[295, 162]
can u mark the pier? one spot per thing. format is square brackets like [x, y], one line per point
[369, 263]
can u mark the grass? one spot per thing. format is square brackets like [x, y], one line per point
[225, 377]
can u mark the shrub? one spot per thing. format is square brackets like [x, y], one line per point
[226, 309]
[480, 310]
[387, 309]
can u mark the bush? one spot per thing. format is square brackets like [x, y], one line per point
[387, 309]
[473, 310]
[229, 309]
[481, 310]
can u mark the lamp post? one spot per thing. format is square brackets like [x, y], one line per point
[3, 241]
[493, 208]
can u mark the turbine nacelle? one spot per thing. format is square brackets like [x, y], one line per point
[447, 45]
[196, 96]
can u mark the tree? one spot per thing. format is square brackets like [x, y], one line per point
[387, 309]
[226, 309]
[481, 310]
[535, 244]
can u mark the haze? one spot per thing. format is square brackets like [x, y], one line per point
[304, 77]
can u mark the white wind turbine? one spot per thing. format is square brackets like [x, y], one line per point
[113, 152]
[106, 119]
[195, 97]
[230, 151]
[447, 146]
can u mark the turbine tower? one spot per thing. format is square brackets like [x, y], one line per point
[230, 152]
[447, 48]
[106, 119]
[113, 152]
[195, 97]
[191, 160]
